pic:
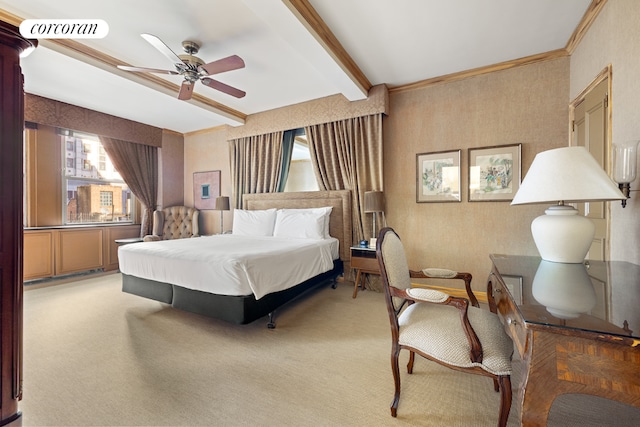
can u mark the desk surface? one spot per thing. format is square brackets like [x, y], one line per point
[557, 295]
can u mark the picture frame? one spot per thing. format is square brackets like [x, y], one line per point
[206, 188]
[494, 172]
[438, 177]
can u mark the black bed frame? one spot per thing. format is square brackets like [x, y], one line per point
[235, 309]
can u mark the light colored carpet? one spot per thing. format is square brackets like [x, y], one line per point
[97, 356]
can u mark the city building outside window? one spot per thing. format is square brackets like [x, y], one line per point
[93, 190]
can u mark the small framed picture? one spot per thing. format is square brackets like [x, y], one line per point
[206, 187]
[494, 172]
[438, 177]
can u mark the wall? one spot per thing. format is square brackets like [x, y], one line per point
[207, 151]
[527, 105]
[45, 111]
[614, 38]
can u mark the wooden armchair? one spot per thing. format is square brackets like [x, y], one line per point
[440, 327]
[175, 222]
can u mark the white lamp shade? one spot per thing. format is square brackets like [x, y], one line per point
[568, 174]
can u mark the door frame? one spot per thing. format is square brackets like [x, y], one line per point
[605, 74]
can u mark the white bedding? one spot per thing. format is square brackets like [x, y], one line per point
[230, 264]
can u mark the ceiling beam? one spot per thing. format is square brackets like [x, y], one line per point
[308, 16]
[296, 22]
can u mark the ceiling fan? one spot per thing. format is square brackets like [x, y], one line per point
[192, 68]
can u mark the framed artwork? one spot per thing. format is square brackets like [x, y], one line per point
[438, 177]
[206, 187]
[494, 173]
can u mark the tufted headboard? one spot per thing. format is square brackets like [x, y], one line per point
[339, 200]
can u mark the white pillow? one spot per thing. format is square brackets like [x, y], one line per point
[302, 223]
[325, 211]
[254, 223]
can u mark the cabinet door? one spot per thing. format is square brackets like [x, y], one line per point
[38, 254]
[79, 250]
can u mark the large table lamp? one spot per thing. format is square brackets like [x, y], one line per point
[565, 175]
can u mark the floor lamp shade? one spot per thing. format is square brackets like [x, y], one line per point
[559, 176]
[222, 204]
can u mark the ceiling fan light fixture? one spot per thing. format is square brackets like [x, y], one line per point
[192, 68]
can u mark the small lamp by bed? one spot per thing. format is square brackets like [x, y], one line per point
[222, 204]
[374, 203]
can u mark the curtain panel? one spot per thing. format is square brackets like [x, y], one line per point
[138, 166]
[256, 165]
[347, 155]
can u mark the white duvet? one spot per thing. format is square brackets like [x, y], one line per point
[230, 264]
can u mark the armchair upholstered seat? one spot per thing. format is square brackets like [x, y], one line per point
[441, 328]
[175, 222]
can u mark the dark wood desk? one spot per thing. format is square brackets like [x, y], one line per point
[591, 342]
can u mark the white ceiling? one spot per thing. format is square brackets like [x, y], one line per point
[393, 42]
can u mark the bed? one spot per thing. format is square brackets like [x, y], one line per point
[229, 299]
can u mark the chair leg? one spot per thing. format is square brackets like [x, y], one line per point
[412, 356]
[505, 399]
[496, 386]
[395, 368]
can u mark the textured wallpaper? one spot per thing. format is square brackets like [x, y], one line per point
[46, 111]
[324, 110]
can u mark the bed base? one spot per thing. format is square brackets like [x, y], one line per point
[234, 309]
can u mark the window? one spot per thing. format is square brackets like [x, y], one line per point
[93, 190]
[106, 198]
[301, 175]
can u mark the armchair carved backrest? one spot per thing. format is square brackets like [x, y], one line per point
[451, 331]
[174, 222]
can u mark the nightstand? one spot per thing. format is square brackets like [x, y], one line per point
[365, 262]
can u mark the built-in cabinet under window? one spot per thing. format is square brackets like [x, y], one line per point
[58, 251]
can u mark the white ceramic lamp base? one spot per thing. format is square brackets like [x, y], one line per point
[562, 235]
[564, 289]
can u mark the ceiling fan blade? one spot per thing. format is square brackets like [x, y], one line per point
[164, 49]
[223, 87]
[229, 63]
[146, 70]
[186, 90]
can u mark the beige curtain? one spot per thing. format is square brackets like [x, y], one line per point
[256, 165]
[347, 155]
[138, 166]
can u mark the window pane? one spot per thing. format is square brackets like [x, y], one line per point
[95, 191]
